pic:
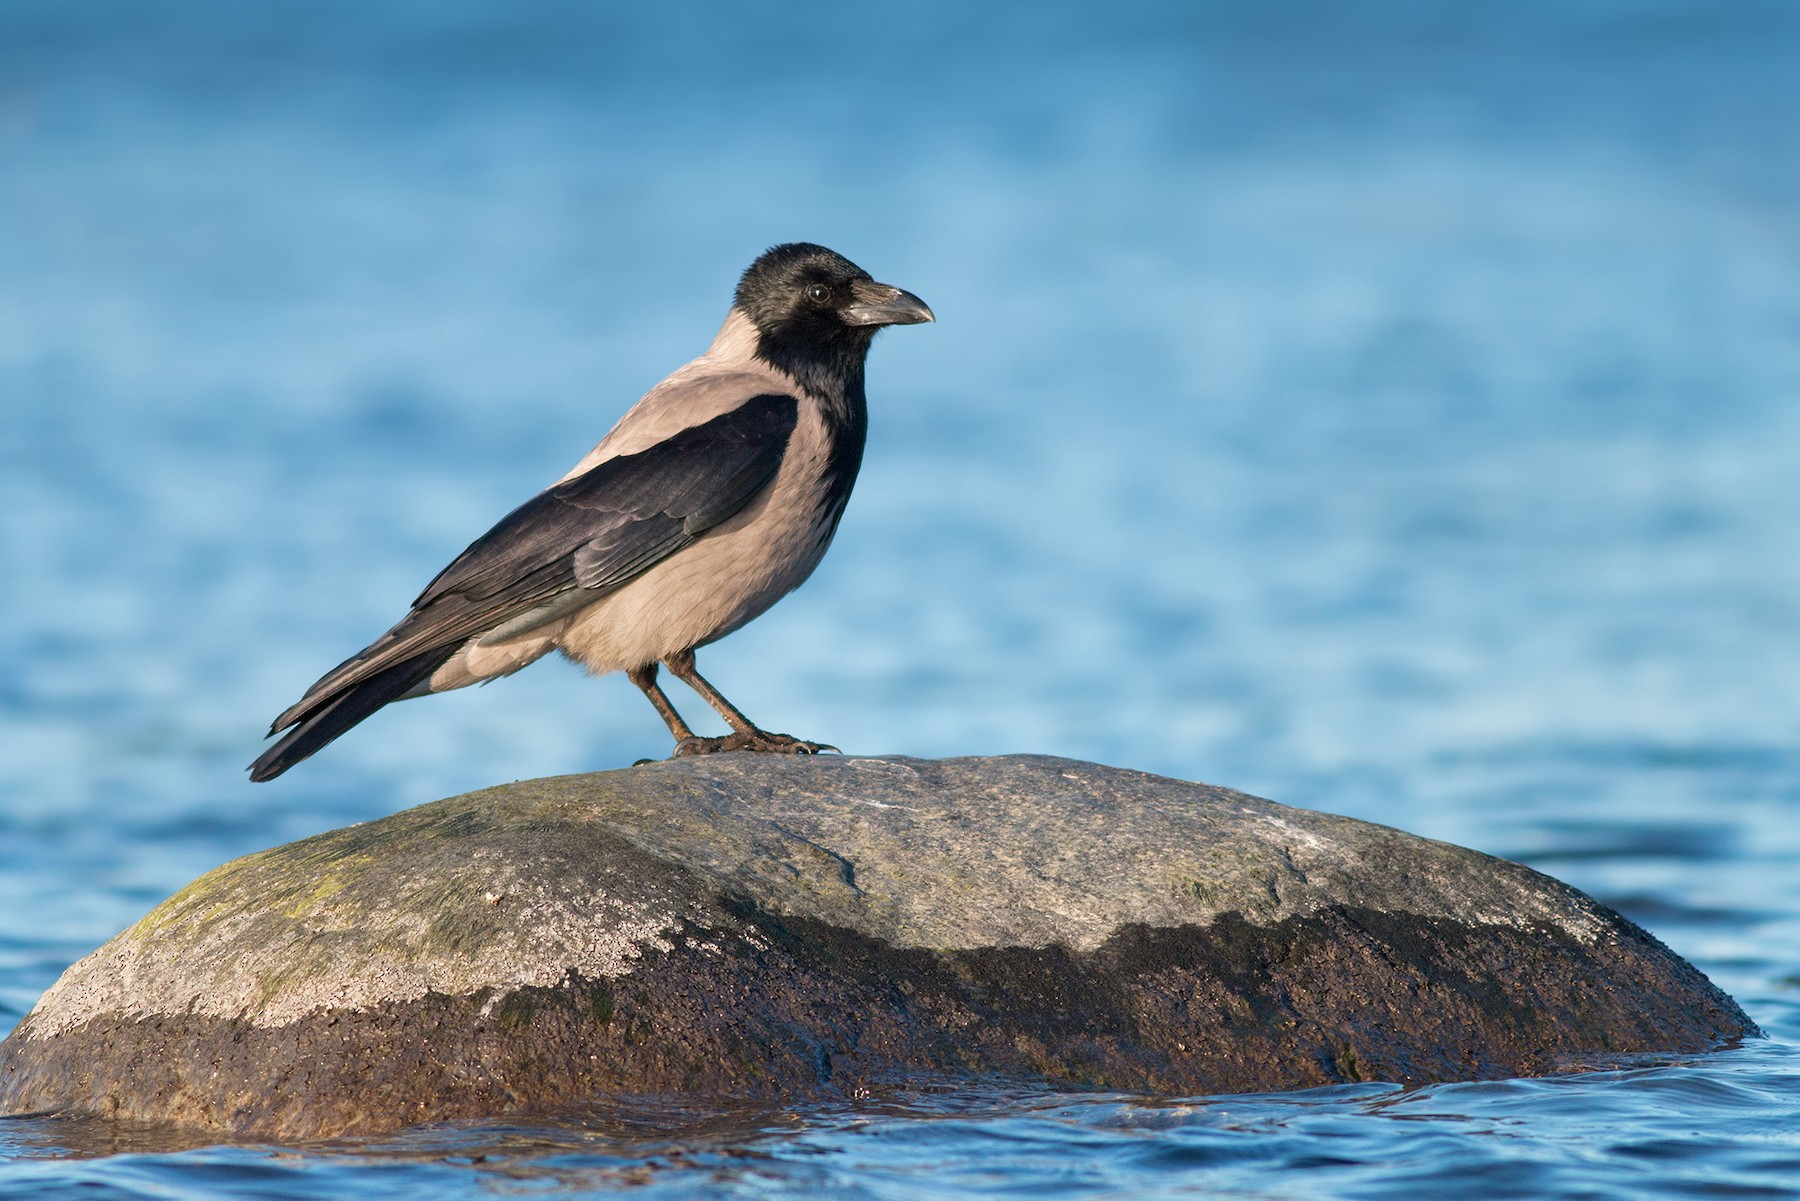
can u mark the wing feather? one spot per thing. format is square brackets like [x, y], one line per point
[594, 532]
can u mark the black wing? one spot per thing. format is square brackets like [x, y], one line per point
[593, 533]
[627, 514]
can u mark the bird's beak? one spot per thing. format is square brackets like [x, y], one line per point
[883, 304]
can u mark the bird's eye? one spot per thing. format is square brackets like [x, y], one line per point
[818, 293]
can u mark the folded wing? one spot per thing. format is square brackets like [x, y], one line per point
[558, 551]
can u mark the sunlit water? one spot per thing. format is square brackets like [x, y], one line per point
[1390, 409]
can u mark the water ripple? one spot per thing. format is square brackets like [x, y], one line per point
[1384, 408]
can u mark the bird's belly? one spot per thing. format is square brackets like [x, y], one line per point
[706, 590]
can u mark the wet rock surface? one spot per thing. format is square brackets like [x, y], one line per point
[776, 927]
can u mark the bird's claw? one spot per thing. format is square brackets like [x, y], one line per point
[750, 740]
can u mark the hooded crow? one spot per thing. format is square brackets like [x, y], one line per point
[711, 499]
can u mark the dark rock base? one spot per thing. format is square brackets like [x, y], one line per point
[781, 1008]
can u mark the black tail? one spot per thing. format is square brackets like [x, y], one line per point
[332, 715]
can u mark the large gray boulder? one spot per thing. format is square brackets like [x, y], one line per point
[774, 927]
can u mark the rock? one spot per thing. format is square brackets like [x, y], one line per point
[778, 927]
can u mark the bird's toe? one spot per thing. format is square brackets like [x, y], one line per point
[695, 745]
[783, 744]
[760, 741]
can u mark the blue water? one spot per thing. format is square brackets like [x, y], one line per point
[1392, 409]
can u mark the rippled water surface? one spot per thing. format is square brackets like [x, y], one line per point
[1392, 409]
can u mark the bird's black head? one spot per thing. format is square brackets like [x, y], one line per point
[816, 313]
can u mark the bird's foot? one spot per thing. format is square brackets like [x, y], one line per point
[751, 740]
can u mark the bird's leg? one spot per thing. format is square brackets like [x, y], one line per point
[645, 678]
[745, 735]
[682, 664]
